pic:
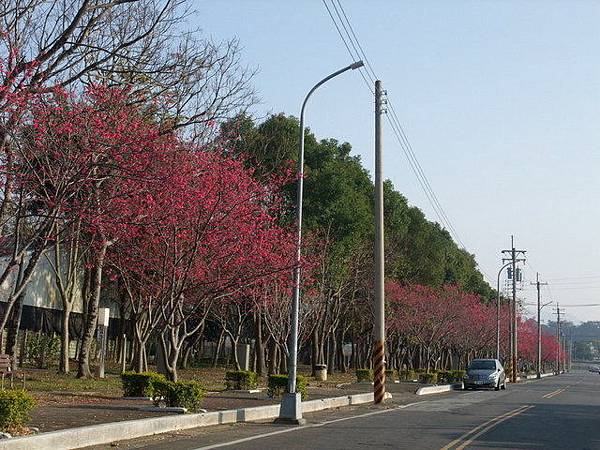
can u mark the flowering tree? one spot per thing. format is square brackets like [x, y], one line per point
[207, 232]
[424, 314]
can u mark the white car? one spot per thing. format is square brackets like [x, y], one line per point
[594, 369]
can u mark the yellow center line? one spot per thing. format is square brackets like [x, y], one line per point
[550, 394]
[555, 393]
[486, 424]
[492, 425]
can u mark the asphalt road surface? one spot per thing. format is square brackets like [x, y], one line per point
[554, 413]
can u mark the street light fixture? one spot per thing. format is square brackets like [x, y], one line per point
[498, 310]
[538, 366]
[291, 408]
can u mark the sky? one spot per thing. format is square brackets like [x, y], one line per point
[500, 101]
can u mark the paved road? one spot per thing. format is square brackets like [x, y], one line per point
[554, 413]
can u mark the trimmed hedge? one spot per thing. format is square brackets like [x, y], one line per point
[428, 378]
[183, 394]
[364, 375]
[15, 406]
[390, 374]
[278, 384]
[445, 376]
[407, 375]
[241, 379]
[458, 375]
[140, 384]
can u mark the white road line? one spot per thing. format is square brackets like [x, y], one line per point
[303, 427]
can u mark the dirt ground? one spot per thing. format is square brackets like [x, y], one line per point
[67, 402]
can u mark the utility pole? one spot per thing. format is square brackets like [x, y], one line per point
[379, 301]
[513, 258]
[558, 334]
[539, 325]
[570, 347]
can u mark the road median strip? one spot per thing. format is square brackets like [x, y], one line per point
[107, 433]
[427, 390]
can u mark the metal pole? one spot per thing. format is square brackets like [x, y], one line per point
[379, 305]
[539, 329]
[538, 284]
[498, 316]
[291, 409]
[558, 339]
[514, 306]
[498, 311]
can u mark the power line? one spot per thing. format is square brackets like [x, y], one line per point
[575, 277]
[364, 55]
[354, 58]
[356, 52]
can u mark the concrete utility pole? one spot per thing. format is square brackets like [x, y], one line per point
[291, 407]
[558, 339]
[570, 348]
[379, 301]
[539, 326]
[513, 258]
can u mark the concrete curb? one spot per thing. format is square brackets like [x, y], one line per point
[457, 386]
[427, 390]
[106, 433]
[171, 409]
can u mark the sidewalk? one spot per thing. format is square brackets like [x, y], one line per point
[85, 410]
[99, 430]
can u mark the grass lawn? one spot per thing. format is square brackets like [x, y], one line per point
[51, 388]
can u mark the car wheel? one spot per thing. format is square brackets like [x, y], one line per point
[504, 386]
[497, 387]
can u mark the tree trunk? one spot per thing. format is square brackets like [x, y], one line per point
[331, 366]
[138, 363]
[273, 358]
[13, 329]
[282, 361]
[315, 350]
[63, 366]
[259, 347]
[236, 361]
[218, 349]
[92, 314]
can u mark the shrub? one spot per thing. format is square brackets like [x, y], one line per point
[364, 375]
[15, 406]
[428, 378]
[43, 350]
[140, 384]
[182, 394]
[408, 375]
[458, 375]
[277, 385]
[390, 374]
[445, 376]
[241, 379]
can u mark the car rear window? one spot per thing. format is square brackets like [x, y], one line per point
[482, 365]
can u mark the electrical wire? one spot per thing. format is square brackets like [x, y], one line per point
[357, 52]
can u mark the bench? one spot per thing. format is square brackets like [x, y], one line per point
[6, 369]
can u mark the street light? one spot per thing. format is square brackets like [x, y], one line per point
[498, 310]
[291, 408]
[538, 365]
